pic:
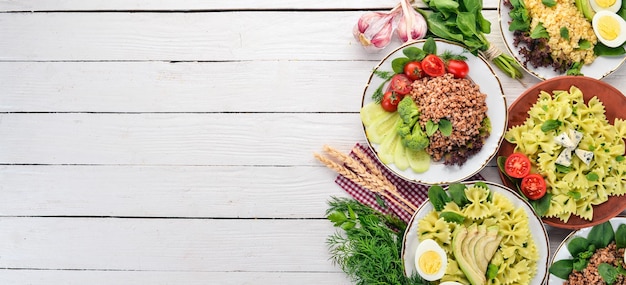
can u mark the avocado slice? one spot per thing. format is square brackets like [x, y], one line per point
[486, 247]
[479, 232]
[460, 240]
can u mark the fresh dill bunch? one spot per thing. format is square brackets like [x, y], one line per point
[367, 245]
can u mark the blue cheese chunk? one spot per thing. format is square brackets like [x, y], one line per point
[565, 157]
[584, 155]
[564, 141]
[575, 136]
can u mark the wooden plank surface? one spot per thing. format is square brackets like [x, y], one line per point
[170, 142]
[195, 5]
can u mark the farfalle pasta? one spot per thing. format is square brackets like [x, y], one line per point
[517, 254]
[576, 188]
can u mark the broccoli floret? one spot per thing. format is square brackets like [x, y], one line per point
[417, 139]
[410, 132]
[408, 110]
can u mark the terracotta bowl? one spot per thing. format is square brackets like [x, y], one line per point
[615, 104]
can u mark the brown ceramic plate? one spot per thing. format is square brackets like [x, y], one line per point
[615, 104]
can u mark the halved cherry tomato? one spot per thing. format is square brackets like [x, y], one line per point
[390, 101]
[458, 68]
[401, 84]
[517, 165]
[433, 65]
[413, 70]
[533, 186]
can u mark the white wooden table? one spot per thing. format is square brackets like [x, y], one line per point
[171, 141]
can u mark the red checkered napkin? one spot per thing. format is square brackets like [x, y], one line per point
[414, 192]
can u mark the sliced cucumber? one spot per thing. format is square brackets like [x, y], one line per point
[371, 113]
[419, 160]
[380, 128]
[387, 149]
[400, 158]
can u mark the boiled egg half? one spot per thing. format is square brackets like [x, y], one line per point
[610, 5]
[610, 28]
[430, 260]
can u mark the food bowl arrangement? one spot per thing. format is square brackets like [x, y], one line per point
[561, 31]
[572, 129]
[476, 230]
[588, 248]
[409, 138]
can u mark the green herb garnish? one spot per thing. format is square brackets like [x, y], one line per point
[367, 249]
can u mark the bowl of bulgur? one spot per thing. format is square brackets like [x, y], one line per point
[588, 272]
[465, 102]
[568, 40]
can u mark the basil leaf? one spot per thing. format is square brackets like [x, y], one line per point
[397, 64]
[580, 264]
[549, 125]
[601, 235]
[619, 158]
[564, 33]
[539, 32]
[431, 128]
[414, 53]
[445, 127]
[584, 44]
[562, 268]
[430, 46]
[592, 176]
[607, 272]
[452, 217]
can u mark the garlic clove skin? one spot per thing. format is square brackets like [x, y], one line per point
[374, 30]
[411, 25]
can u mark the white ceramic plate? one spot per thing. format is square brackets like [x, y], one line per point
[537, 229]
[563, 253]
[601, 67]
[483, 75]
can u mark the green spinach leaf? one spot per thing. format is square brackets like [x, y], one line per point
[620, 236]
[457, 193]
[577, 245]
[438, 197]
[601, 235]
[562, 268]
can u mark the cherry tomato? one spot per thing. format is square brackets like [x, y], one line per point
[390, 101]
[433, 65]
[533, 186]
[401, 84]
[458, 68]
[413, 70]
[517, 165]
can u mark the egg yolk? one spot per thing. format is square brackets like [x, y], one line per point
[608, 28]
[605, 3]
[430, 262]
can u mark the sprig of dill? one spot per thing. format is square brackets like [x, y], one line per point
[377, 96]
[367, 244]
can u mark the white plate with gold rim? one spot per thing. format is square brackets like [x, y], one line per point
[484, 76]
